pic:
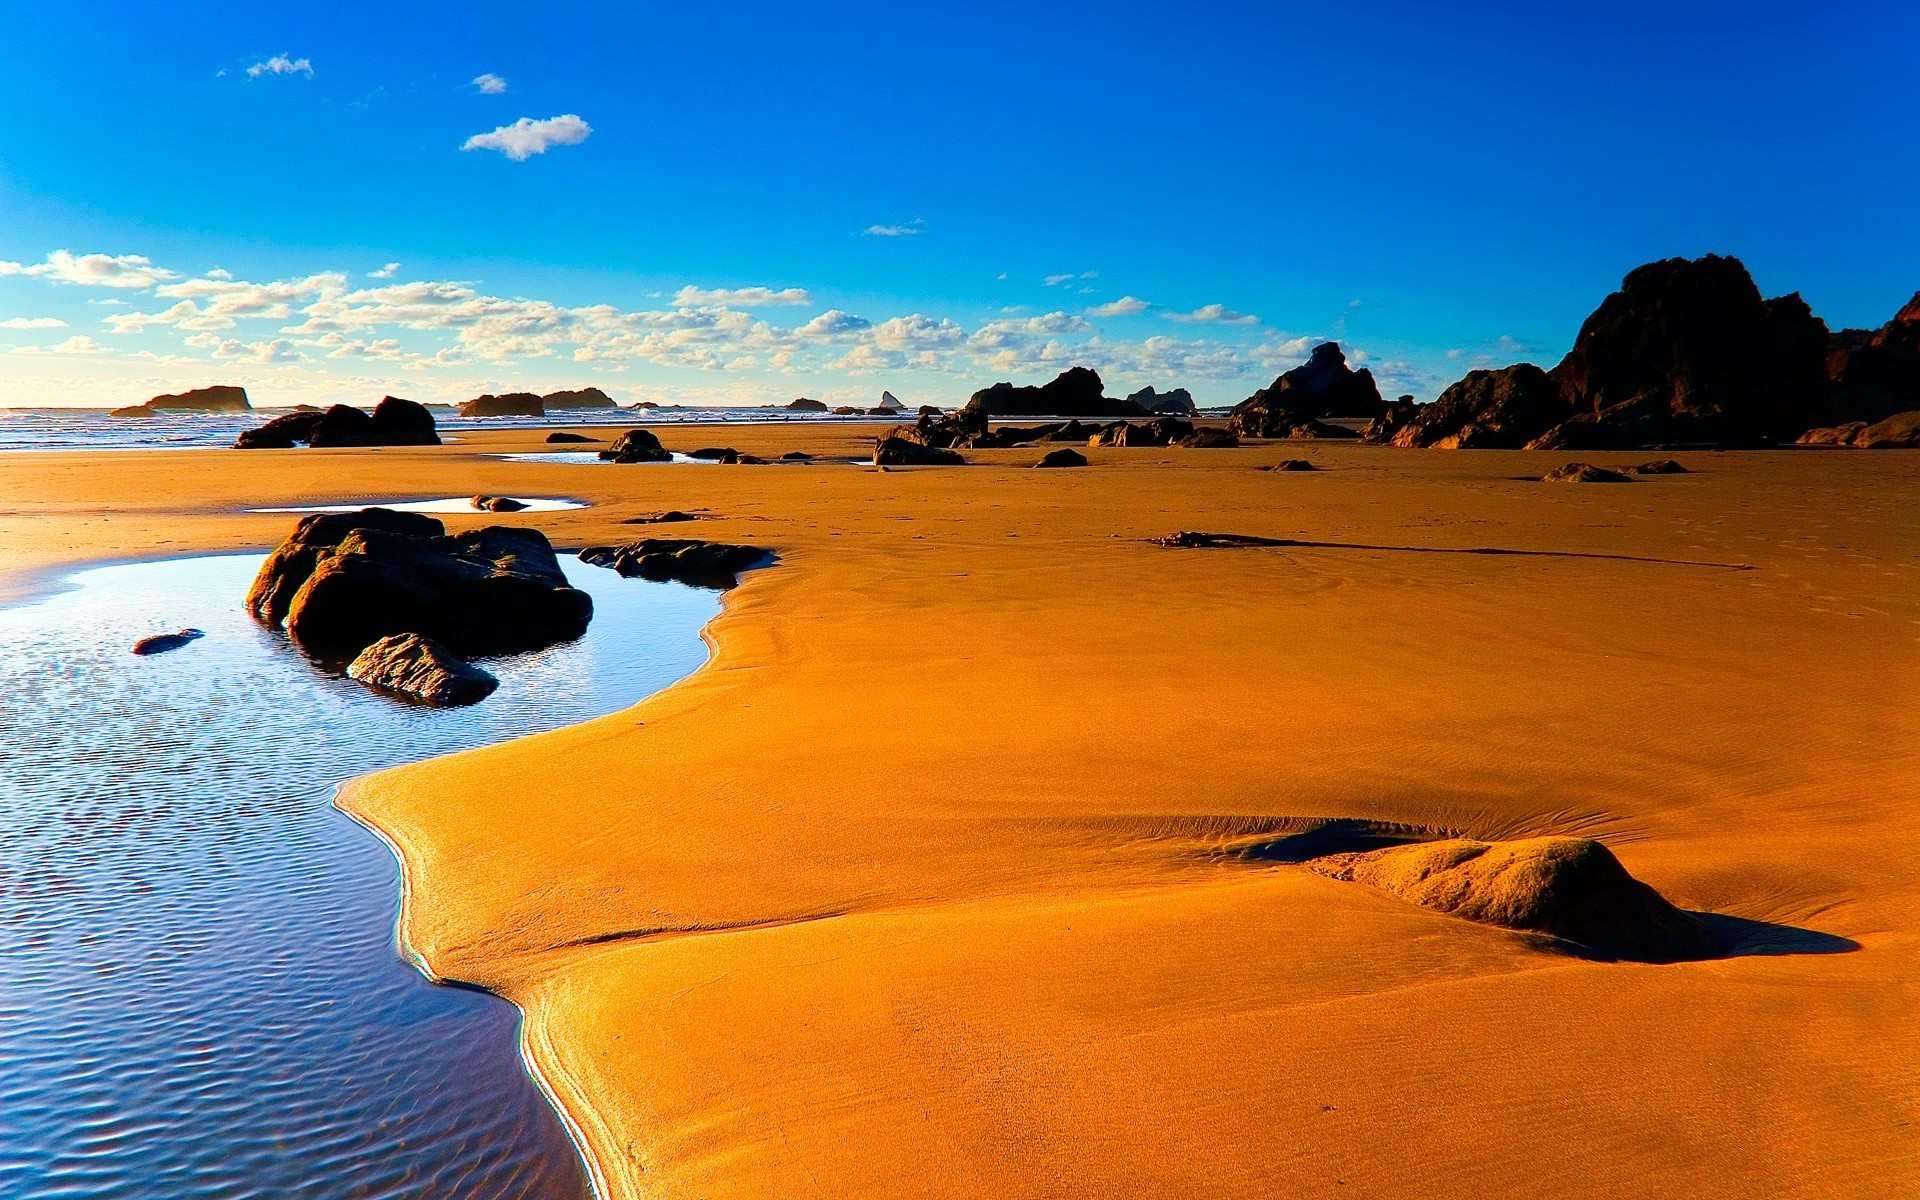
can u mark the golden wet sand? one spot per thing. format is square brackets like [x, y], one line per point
[927, 884]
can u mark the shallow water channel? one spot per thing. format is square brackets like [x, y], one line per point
[200, 990]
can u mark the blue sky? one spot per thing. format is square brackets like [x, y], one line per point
[756, 202]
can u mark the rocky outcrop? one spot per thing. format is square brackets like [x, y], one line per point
[846, 410]
[937, 429]
[160, 643]
[1569, 888]
[1062, 457]
[1488, 410]
[508, 404]
[899, 452]
[1323, 386]
[1898, 432]
[889, 404]
[805, 405]
[1583, 473]
[498, 504]
[715, 454]
[1396, 416]
[393, 422]
[1178, 402]
[281, 433]
[1664, 466]
[344, 580]
[681, 560]
[1875, 372]
[220, 398]
[1075, 392]
[563, 401]
[636, 446]
[1210, 439]
[421, 669]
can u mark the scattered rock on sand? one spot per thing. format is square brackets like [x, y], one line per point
[1570, 888]
[1579, 472]
[1664, 466]
[498, 504]
[160, 643]
[423, 669]
[565, 438]
[715, 453]
[796, 456]
[670, 516]
[636, 446]
[1292, 464]
[1063, 458]
[343, 581]
[1210, 439]
[684, 560]
[899, 452]
[393, 422]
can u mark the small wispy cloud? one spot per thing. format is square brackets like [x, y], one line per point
[385, 272]
[33, 323]
[1214, 314]
[746, 297]
[907, 230]
[490, 84]
[1125, 306]
[1069, 277]
[280, 64]
[527, 137]
[94, 270]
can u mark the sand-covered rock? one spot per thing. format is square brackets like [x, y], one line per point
[422, 669]
[1293, 464]
[507, 404]
[160, 643]
[1579, 472]
[1210, 439]
[564, 438]
[899, 452]
[1568, 887]
[344, 580]
[589, 397]
[1063, 457]
[1075, 392]
[682, 560]
[1323, 386]
[636, 446]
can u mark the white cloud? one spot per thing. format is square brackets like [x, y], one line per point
[527, 137]
[894, 230]
[1125, 306]
[490, 84]
[280, 64]
[832, 323]
[1069, 277]
[1214, 314]
[385, 272]
[93, 270]
[78, 344]
[747, 297]
[33, 323]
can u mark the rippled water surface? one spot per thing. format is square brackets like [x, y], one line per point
[200, 993]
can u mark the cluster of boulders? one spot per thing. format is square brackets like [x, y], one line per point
[1075, 392]
[393, 422]
[531, 404]
[1687, 352]
[968, 430]
[682, 560]
[220, 398]
[1298, 403]
[343, 582]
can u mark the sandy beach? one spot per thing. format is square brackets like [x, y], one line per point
[934, 881]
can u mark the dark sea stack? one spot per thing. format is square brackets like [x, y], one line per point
[1075, 392]
[281, 433]
[1178, 402]
[1502, 409]
[1396, 416]
[1063, 457]
[161, 643]
[1584, 473]
[220, 398]
[342, 426]
[134, 412]
[899, 452]
[562, 439]
[421, 669]
[681, 560]
[562, 401]
[1569, 888]
[1323, 386]
[805, 405]
[1210, 439]
[636, 446]
[508, 404]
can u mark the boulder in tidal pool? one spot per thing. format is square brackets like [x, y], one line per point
[563, 437]
[636, 446]
[682, 560]
[498, 504]
[423, 669]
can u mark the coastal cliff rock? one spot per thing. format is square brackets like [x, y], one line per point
[591, 397]
[509, 404]
[1876, 372]
[220, 398]
[899, 452]
[342, 581]
[1396, 416]
[1570, 888]
[1178, 402]
[805, 405]
[636, 446]
[1494, 410]
[682, 560]
[1075, 392]
[1323, 386]
[160, 643]
[422, 669]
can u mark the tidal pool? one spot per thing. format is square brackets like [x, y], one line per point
[450, 504]
[200, 990]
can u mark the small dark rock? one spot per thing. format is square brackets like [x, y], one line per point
[1063, 458]
[498, 504]
[1293, 464]
[796, 456]
[422, 669]
[1583, 473]
[1665, 466]
[636, 446]
[715, 453]
[160, 643]
[684, 560]
[565, 438]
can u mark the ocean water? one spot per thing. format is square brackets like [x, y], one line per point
[201, 993]
[93, 429]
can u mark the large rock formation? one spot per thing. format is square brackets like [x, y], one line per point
[1901, 431]
[1323, 386]
[636, 446]
[1570, 888]
[1178, 402]
[1075, 392]
[422, 669]
[508, 404]
[1494, 410]
[889, 404]
[344, 580]
[591, 397]
[1876, 372]
[805, 405]
[220, 398]
[683, 560]
[393, 422]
